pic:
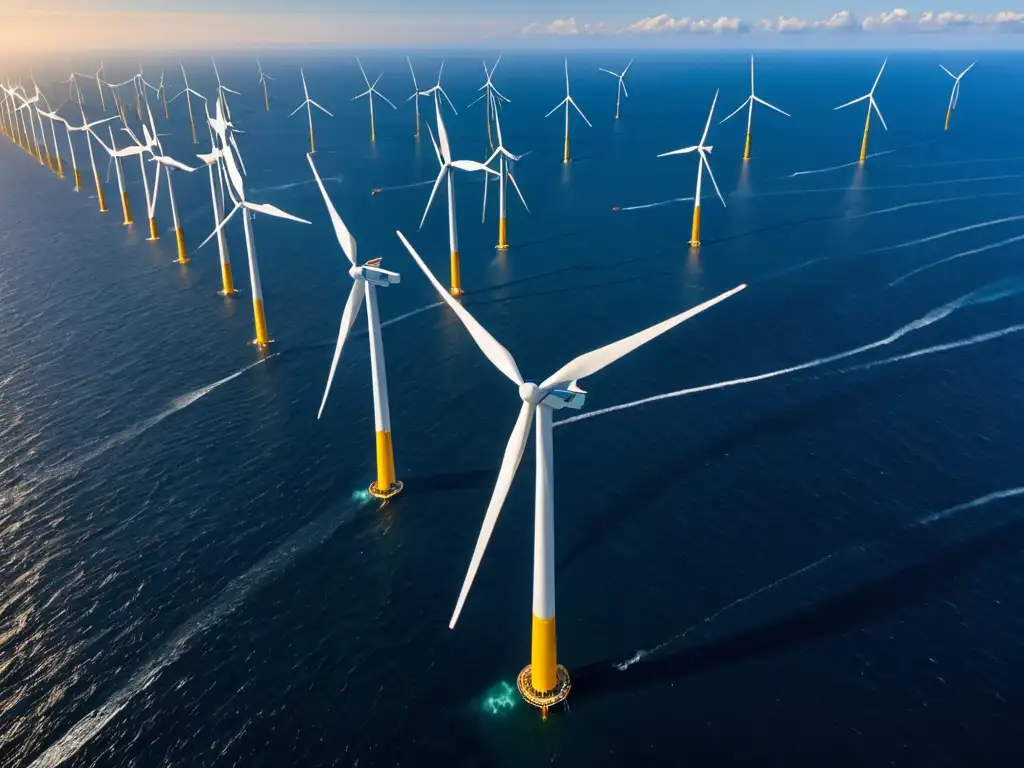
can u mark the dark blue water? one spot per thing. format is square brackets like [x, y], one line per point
[747, 574]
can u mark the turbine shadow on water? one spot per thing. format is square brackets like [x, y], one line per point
[451, 481]
[839, 614]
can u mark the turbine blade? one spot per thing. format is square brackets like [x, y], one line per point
[682, 151]
[219, 227]
[433, 193]
[483, 216]
[348, 318]
[878, 112]
[442, 134]
[613, 74]
[851, 103]
[968, 69]
[363, 71]
[879, 76]
[736, 111]
[624, 89]
[509, 465]
[590, 363]
[345, 239]
[557, 107]
[364, 93]
[448, 100]
[494, 351]
[176, 165]
[947, 71]
[707, 165]
[440, 160]
[386, 99]
[273, 210]
[580, 111]
[518, 192]
[473, 165]
[474, 101]
[759, 100]
[300, 107]
[320, 108]
[707, 125]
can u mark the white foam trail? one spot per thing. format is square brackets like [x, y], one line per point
[278, 187]
[964, 162]
[125, 435]
[979, 339]
[407, 315]
[975, 297]
[920, 203]
[954, 257]
[227, 602]
[837, 167]
[622, 666]
[656, 205]
[913, 185]
[948, 233]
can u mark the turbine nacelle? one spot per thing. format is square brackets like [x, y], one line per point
[372, 273]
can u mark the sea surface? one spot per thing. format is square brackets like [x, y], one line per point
[811, 553]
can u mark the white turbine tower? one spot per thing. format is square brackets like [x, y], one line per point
[264, 77]
[954, 97]
[222, 90]
[621, 88]
[87, 127]
[870, 96]
[749, 104]
[444, 158]
[54, 118]
[212, 162]
[51, 115]
[169, 165]
[493, 96]
[369, 93]
[566, 102]
[544, 682]
[140, 149]
[366, 279]
[702, 150]
[309, 104]
[236, 191]
[188, 93]
[506, 161]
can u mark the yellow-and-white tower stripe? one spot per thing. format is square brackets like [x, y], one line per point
[262, 337]
[386, 485]
[453, 238]
[178, 234]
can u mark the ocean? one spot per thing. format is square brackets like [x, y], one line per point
[797, 543]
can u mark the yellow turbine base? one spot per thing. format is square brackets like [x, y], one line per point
[182, 253]
[100, 196]
[543, 676]
[60, 169]
[502, 234]
[78, 181]
[695, 232]
[262, 337]
[948, 110]
[127, 208]
[864, 141]
[193, 121]
[49, 161]
[312, 142]
[386, 485]
[566, 158]
[746, 149]
[544, 700]
[456, 289]
[154, 233]
[225, 277]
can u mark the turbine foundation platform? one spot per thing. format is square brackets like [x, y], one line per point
[544, 700]
[394, 490]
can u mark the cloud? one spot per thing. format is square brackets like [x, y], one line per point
[567, 26]
[665, 23]
[897, 18]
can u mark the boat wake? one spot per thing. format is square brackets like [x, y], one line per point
[980, 296]
[954, 257]
[838, 167]
[179, 403]
[234, 594]
[644, 207]
[948, 233]
[981, 501]
[338, 179]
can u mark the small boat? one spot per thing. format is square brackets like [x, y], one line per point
[375, 191]
[616, 207]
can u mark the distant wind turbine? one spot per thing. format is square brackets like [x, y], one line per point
[870, 96]
[309, 104]
[749, 104]
[621, 87]
[954, 97]
[369, 93]
[567, 158]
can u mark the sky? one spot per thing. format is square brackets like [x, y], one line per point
[39, 27]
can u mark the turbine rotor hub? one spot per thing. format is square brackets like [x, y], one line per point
[530, 393]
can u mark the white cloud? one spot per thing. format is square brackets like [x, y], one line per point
[898, 18]
[567, 26]
[841, 20]
[665, 23]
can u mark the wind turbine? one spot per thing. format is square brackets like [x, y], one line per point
[415, 98]
[33, 107]
[954, 97]
[870, 96]
[544, 682]
[567, 101]
[436, 89]
[115, 88]
[621, 88]
[161, 92]
[309, 104]
[212, 162]
[494, 98]
[264, 77]
[112, 150]
[87, 128]
[169, 165]
[51, 115]
[140, 149]
[188, 93]
[444, 158]
[749, 104]
[366, 278]
[505, 162]
[702, 150]
[99, 87]
[236, 191]
[369, 92]
[27, 105]
[223, 89]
